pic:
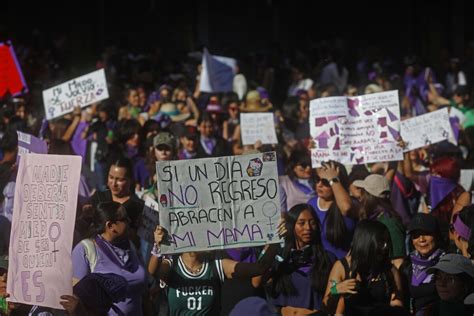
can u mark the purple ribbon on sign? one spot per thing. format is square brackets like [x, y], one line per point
[420, 265]
[440, 188]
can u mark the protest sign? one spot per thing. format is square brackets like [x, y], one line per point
[217, 74]
[30, 144]
[44, 213]
[467, 179]
[149, 220]
[258, 126]
[356, 130]
[426, 129]
[219, 203]
[11, 78]
[81, 91]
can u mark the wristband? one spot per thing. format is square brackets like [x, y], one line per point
[156, 251]
[334, 288]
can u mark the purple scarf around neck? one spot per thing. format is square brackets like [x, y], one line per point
[420, 265]
[121, 255]
[439, 189]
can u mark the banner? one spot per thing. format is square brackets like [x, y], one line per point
[427, 129]
[44, 213]
[258, 126]
[11, 78]
[219, 203]
[217, 74]
[30, 144]
[150, 219]
[356, 130]
[81, 91]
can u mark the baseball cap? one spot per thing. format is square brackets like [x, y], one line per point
[424, 222]
[164, 138]
[453, 263]
[375, 184]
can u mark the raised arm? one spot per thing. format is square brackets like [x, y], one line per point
[156, 265]
[329, 172]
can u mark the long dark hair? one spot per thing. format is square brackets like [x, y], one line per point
[105, 212]
[370, 249]
[321, 266]
[336, 230]
[297, 157]
[123, 162]
[371, 203]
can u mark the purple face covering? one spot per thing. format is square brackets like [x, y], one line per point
[420, 265]
[462, 229]
[439, 189]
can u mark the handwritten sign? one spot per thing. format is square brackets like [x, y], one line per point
[30, 144]
[217, 73]
[81, 91]
[150, 218]
[356, 130]
[426, 129]
[219, 203]
[11, 78]
[40, 267]
[258, 126]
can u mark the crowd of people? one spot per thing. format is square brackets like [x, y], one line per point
[386, 238]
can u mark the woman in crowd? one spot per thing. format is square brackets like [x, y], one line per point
[299, 280]
[132, 108]
[109, 250]
[454, 280]
[461, 230]
[120, 189]
[194, 278]
[376, 205]
[333, 205]
[426, 238]
[365, 279]
[296, 186]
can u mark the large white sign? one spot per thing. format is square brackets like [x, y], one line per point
[44, 214]
[427, 129]
[219, 203]
[356, 130]
[258, 127]
[81, 91]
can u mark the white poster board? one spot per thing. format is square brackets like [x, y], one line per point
[217, 74]
[219, 203]
[81, 91]
[356, 130]
[258, 127]
[427, 129]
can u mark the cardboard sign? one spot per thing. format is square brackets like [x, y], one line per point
[81, 91]
[356, 130]
[44, 214]
[11, 78]
[30, 144]
[427, 129]
[219, 203]
[258, 126]
[150, 219]
[217, 74]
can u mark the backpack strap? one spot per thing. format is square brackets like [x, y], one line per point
[90, 251]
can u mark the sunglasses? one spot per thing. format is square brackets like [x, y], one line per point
[324, 182]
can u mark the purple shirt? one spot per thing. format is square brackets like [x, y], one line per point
[136, 279]
[78, 144]
[350, 226]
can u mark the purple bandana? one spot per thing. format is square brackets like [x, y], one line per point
[440, 188]
[120, 254]
[462, 229]
[420, 265]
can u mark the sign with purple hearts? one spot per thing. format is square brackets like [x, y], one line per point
[219, 203]
[44, 214]
[356, 130]
[30, 144]
[81, 91]
[427, 129]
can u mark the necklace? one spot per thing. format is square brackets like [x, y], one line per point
[193, 270]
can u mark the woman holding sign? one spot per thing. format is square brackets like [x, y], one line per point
[194, 278]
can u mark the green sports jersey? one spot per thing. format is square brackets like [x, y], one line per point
[194, 294]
